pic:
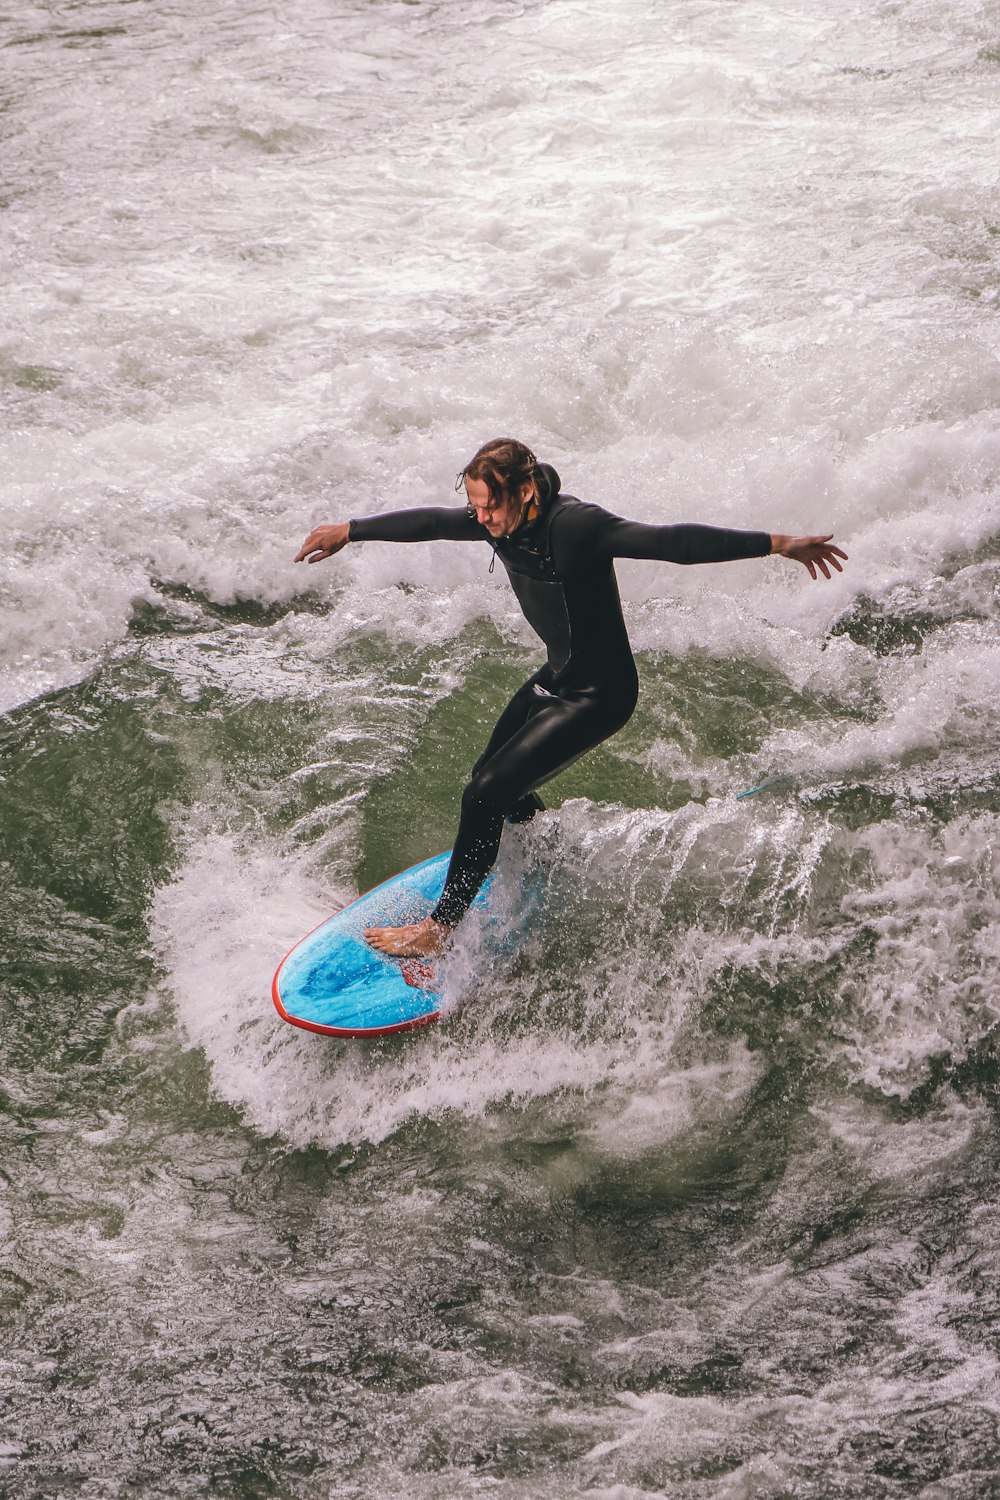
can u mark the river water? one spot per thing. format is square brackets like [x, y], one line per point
[695, 1194]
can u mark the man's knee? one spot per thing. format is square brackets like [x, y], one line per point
[525, 808]
[485, 792]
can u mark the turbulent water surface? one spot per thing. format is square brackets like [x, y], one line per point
[696, 1194]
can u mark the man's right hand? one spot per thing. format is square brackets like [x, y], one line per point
[811, 551]
[324, 541]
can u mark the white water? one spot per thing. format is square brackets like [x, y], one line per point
[735, 265]
[269, 266]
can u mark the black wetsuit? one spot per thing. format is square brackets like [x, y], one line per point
[561, 567]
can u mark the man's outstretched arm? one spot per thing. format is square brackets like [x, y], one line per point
[445, 523]
[689, 543]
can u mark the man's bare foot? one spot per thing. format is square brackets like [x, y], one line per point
[423, 939]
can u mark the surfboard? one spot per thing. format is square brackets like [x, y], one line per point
[334, 983]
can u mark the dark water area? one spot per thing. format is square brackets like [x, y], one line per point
[739, 1270]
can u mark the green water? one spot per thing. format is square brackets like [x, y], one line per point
[686, 1257]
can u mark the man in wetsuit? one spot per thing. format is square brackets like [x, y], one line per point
[559, 555]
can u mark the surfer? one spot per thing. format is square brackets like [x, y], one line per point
[559, 555]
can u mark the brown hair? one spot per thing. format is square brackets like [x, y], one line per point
[505, 464]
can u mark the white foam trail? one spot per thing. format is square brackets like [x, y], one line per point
[933, 905]
[222, 928]
[635, 918]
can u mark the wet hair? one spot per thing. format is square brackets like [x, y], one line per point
[504, 464]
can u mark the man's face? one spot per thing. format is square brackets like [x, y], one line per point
[498, 516]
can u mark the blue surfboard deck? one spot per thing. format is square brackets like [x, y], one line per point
[334, 983]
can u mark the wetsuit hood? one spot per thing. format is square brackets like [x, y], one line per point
[547, 488]
[547, 483]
